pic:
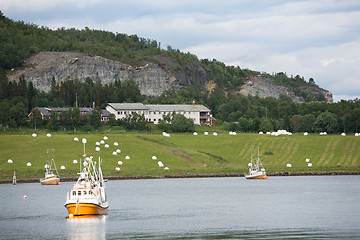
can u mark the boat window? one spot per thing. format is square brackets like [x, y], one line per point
[74, 193]
[85, 192]
[79, 193]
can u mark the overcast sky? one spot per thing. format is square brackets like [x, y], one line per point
[317, 39]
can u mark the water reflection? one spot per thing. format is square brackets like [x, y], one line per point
[86, 227]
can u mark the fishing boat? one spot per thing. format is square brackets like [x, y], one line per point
[256, 169]
[50, 177]
[88, 195]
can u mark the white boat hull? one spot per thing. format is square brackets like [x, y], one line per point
[256, 175]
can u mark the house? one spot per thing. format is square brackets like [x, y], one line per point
[154, 113]
[46, 112]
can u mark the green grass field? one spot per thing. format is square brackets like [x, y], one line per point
[181, 153]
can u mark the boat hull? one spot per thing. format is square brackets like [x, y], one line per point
[255, 176]
[85, 209]
[50, 181]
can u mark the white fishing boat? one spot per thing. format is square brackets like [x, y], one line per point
[256, 169]
[88, 195]
[50, 177]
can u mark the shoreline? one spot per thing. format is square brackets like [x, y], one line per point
[210, 175]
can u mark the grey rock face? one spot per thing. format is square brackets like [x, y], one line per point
[264, 87]
[151, 78]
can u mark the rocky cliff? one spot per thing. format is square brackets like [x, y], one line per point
[265, 87]
[153, 78]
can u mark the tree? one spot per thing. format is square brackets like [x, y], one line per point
[266, 125]
[180, 123]
[36, 117]
[325, 122]
[17, 115]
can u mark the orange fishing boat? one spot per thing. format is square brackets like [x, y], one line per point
[88, 195]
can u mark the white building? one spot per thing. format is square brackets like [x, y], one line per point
[154, 113]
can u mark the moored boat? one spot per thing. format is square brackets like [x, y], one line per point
[256, 169]
[88, 195]
[50, 177]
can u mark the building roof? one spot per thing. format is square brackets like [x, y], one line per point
[105, 113]
[48, 110]
[128, 106]
[177, 108]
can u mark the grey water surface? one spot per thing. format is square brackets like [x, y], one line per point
[313, 207]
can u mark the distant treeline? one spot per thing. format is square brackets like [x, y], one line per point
[235, 111]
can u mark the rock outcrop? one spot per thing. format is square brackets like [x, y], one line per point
[153, 78]
[265, 87]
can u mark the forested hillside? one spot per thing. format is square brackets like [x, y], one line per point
[20, 40]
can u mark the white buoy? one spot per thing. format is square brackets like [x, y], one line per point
[76, 139]
[116, 144]
[154, 158]
[160, 164]
[166, 168]
[215, 134]
[206, 133]
[46, 166]
[288, 165]
[343, 134]
[62, 167]
[106, 145]
[261, 133]
[48, 135]
[306, 133]
[127, 157]
[268, 133]
[117, 169]
[105, 138]
[309, 164]
[114, 153]
[97, 143]
[307, 160]
[24, 197]
[34, 135]
[28, 164]
[102, 142]
[195, 133]
[97, 149]
[118, 150]
[120, 162]
[75, 161]
[10, 161]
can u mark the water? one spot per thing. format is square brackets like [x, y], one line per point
[314, 207]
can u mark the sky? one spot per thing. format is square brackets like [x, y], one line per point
[317, 39]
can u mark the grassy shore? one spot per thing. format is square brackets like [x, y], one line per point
[183, 154]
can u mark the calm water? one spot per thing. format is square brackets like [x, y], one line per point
[322, 207]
